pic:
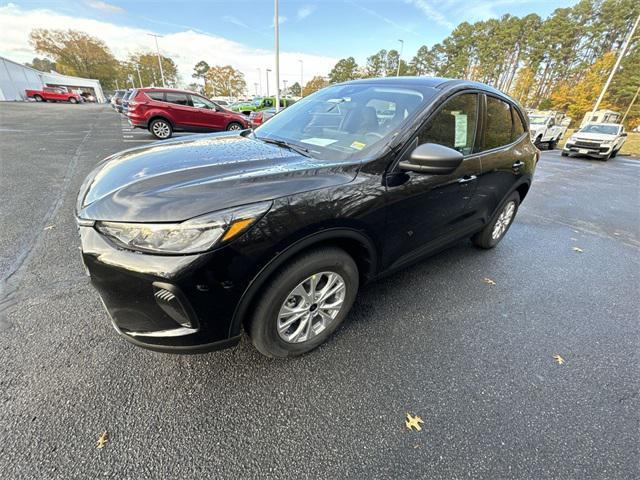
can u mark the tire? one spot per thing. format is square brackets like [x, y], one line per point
[552, 144]
[564, 154]
[614, 153]
[306, 332]
[485, 238]
[73, 100]
[537, 143]
[161, 129]
[38, 98]
[234, 126]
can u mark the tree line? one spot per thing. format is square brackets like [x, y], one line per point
[560, 62]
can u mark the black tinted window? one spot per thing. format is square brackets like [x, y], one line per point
[498, 128]
[178, 98]
[454, 125]
[156, 95]
[518, 126]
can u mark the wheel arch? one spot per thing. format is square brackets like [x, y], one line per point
[158, 116]
[356, 243]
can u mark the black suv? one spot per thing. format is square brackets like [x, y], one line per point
[191, 240]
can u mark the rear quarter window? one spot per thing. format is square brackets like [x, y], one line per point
[518, 126]
[159, 96]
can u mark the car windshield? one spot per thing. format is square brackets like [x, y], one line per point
[605, 129]
[534, 120]
[345, 122]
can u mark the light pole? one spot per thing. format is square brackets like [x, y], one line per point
[615, 67]
[159, 60]
[400, 56]
[139, 77]
[260, 80]
[277, 42]
[268, 70]
[301, 75]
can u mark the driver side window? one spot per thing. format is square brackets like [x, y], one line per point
[454, 125]
[200, 102]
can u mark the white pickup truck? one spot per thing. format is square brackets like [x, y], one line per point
[547, 128]
[600, 140]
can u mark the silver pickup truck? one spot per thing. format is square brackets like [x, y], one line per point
[600, 140]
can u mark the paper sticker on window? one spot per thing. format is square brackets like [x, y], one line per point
[461, 130]
[358, 145]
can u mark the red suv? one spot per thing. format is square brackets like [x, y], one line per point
[164, 111]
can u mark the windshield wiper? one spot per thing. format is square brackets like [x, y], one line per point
[283, 143]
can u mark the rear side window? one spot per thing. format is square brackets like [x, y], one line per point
[178, 99]
[498, 129]
[518, 126]
[454, 125]
[155, 96]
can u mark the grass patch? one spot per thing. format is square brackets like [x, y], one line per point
[631, 145]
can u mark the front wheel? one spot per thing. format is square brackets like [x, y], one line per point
[161, 129]
[304, 303]
[497, 228]
[73, 100]
[614, 153]
[234, 126]
[37, 98]
[552, 144]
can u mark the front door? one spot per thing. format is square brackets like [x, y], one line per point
[426, 209]
[208, 115]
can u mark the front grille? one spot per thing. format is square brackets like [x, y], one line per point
[585, 144]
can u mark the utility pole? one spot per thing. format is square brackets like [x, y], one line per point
[139, 77]
[400, 56]
[159, 59]
[277, 39]
[268, 70]
[301, 75]
[624, 117]
[623, 50]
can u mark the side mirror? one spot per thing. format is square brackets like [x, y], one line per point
[624, 134]
[433, 159]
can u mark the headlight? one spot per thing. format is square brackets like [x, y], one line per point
[191, 236]
[608, 142]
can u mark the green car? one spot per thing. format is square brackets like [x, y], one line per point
[258, 104]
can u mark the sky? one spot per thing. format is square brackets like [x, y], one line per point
[240, 32]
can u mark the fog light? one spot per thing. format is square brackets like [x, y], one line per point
[170, 299]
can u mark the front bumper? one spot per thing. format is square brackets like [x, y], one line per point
[163, 303]
[599, 151]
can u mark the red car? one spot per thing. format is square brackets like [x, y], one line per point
[163, 111]
[53, 94]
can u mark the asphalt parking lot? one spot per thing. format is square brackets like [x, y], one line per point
[475, 361]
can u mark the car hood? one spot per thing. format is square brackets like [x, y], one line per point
[179, 179]
[593, 136]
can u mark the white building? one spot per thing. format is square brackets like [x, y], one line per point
[15, 78]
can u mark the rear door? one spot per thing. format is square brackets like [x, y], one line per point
[208, 115]
[425, 209]
[182, 109]
[503, 151]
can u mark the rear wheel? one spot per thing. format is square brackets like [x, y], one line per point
[37, 98]
[553, 144]
[160, 128]
[234, 126]
[564, 154]
[496, 229]
[304, 303]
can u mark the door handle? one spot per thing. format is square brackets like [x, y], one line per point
[518, 164]
[467, 179]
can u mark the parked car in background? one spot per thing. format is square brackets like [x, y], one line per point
[258, 118]
[261, 104]
[53, 94]
[163, 111]
[547, 128]
[124, 104]
[116, 99]
[273, 231]
[599, 140]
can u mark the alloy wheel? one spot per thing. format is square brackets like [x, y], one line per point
[504, 220]
[311, 307]
[161, 130]
[234, 126]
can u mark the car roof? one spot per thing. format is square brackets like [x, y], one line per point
[603, 123]
[433, 82]
[166, 89]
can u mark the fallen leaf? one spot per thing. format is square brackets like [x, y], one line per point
[49, 227]
[558, 359]
[578, 249]
[413, 422]
[488, 281]
[102, 440]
